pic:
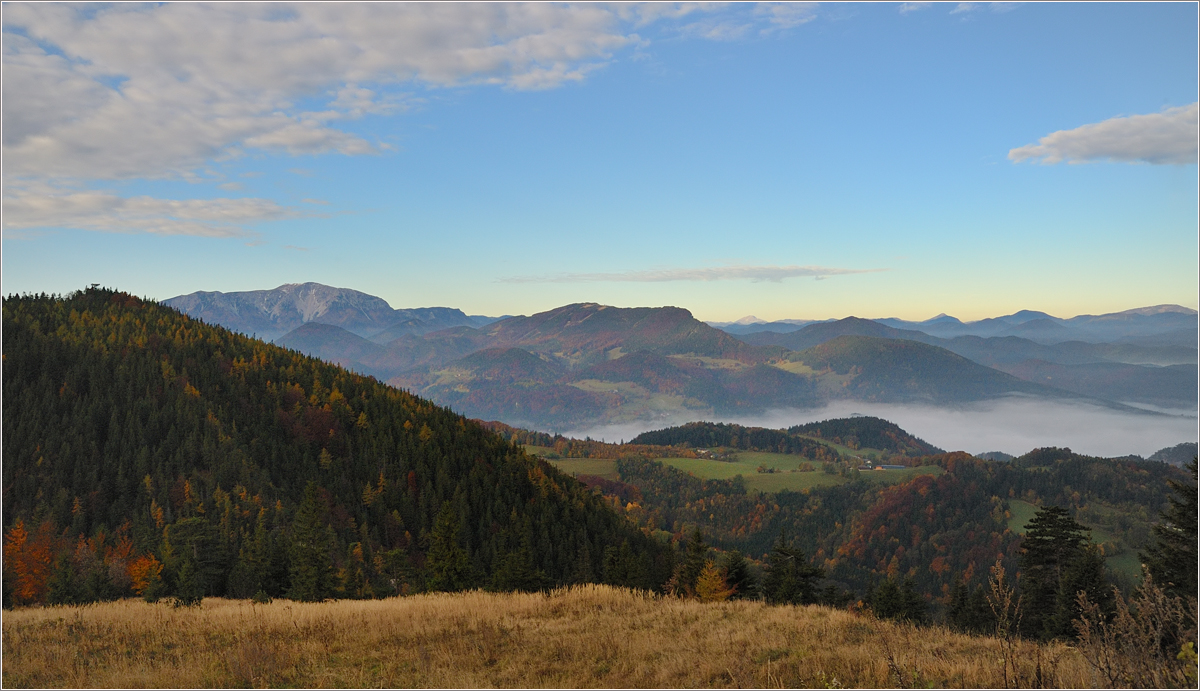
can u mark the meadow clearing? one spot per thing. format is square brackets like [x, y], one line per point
[787, 475]
[584, 636]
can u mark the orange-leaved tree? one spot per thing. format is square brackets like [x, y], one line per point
[711, 585]
[28, 559]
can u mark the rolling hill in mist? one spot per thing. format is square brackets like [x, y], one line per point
[588, 364]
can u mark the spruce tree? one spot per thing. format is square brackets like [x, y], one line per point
[737, 573]
[446, 561]
[1052, 541]
[789, 578]
[1171, 560]
[312, 573]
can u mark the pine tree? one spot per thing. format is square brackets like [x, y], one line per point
[1052, 541]
[738, 574]
[189, 592]
[1085, 573]
[312, 573]
[695, 556]
[1172, 558]
[446, 561]
[789, 578]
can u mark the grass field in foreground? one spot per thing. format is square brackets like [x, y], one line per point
[586, 636]
[746, 463]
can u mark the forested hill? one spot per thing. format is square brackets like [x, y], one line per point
[711, 434]
[137, 438]
[865, 431]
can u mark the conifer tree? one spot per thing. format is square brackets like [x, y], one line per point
[312, 574]
[789, 578]
[189, 592]
[695, 557]
[1172, 558]
[446, 561]
[1052, 541]
[738, 574]
[712, 585]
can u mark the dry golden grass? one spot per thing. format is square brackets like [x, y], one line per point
[587, 636]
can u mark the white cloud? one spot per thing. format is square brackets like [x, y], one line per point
[785, 15]
[96, 93]
[997, 7]
[137, 91]
[1168, 137]
[46, 207]
[723, 273]
[906, 7]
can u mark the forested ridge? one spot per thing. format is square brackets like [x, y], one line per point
[146, 450]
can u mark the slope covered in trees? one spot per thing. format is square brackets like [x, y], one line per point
[147, 451]
[867, 432]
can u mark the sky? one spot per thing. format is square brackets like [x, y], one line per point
[789, 161]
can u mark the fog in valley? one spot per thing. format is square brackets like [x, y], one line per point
[1013, 425]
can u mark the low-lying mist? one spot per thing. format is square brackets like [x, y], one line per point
[1013, 425]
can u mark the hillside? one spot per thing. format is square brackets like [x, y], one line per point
[867, 432]
[1172, 386]
[1169, 348]
[129, 424]
[880, 369]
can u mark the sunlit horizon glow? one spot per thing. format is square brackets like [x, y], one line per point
[784, 161]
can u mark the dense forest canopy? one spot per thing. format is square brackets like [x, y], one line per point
[138, 438]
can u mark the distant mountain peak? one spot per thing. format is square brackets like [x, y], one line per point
[1157, 309]
[749, 319]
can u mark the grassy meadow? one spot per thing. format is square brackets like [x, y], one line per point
[585, 636]
[745, 463]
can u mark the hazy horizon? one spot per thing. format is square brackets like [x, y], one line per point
[1013, 425]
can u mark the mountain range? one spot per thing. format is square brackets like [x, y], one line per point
[1161, 325]
[587, 364]
[270, 314]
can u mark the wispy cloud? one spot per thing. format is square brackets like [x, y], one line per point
[105, 212]
[723, 273]
[906, 7]
[963, 7]
[1168, 137]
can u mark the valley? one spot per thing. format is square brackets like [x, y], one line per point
[589, 366]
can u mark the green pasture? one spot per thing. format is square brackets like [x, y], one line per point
[745, 463]
[895, 477]
[1020, 514]
[1124, 562]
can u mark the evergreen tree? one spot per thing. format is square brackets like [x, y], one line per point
[738, 574]
[694, 557]
[1085, 573]
[189, 591]
[1172, 558]
[789, 578]
[885, 600]
[446, 561]
[62, 588]
[1052, 541]
[312, 574]
[968, 610]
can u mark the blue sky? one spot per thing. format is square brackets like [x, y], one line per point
[786, 161]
